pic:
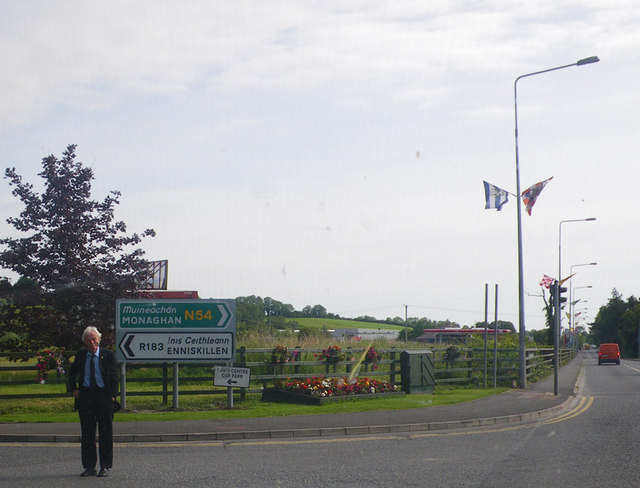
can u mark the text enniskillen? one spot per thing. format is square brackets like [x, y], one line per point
[199, 350]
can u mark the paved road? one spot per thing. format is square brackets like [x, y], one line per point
[591, 443]
[537, 401]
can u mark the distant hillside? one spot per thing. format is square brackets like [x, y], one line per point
[314, 323]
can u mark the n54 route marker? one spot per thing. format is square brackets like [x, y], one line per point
[175, 330]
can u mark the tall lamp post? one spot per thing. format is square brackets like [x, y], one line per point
[521, 324]
[558, 318]
[573, 310]
[571, 290]
[589, 219]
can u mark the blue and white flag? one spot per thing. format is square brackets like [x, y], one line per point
[495, 197]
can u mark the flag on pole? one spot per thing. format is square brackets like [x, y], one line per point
[530, 195]
[566, 279]
[546, 281]
[495, 197]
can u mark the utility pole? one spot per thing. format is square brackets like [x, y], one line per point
[406, 324]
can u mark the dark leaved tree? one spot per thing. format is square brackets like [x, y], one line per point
[606, 326]
[72, 247]
[617, 321]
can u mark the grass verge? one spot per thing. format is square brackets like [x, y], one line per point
[198, 407]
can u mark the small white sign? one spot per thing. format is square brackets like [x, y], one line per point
[232, 377]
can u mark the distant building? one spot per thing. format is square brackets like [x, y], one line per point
[168, 294]
[439, 336]
[365, 334]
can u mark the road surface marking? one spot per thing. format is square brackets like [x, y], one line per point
[584, 404]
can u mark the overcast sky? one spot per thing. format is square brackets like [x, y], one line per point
[333, 152]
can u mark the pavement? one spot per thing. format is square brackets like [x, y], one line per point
[537, 401]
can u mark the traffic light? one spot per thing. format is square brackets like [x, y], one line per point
[554, 289]
[561, 290]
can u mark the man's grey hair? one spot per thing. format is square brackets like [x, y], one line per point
[92, 329]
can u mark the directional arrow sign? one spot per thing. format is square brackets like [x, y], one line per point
[234, 377]
[177, 346]
[127, 345]
[175, 314]
[175, 330]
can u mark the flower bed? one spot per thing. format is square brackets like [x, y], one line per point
[317, 390]
[332, 355]
[47, 360]
[280, 355]
[371, 356]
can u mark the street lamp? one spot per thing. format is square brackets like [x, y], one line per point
[571, 290]
[580, 310]
[590, 219]
[572, 309]
[522, 331]
[558, 317]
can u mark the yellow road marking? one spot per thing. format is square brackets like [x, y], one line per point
[583, 406]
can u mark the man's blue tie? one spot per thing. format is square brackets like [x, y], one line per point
[92, 373]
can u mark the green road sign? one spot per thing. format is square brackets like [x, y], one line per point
[175, 330]
[175, 314]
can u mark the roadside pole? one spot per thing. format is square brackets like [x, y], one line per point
[175, 331]
[175, 386]
[486, 304]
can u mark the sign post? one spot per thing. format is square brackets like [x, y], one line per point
[161, 331]
[175, 330]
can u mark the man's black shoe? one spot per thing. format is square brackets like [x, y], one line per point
[103, 472]
[88, 472]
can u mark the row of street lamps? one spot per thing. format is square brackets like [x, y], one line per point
[521, 319]
[572, 302]
[557, 305]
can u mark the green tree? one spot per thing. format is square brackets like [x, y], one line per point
[274, 308]
[72, 247]
[545, 336]
[541, 337]
[317, 311]
[628, 328]
[606, 326]
[502, 324]
[250, 311]
[14, 333]
[618, 321]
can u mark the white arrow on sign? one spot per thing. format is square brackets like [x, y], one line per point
[223, 315]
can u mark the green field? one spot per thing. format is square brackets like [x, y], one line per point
[332, 324]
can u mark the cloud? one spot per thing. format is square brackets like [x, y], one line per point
[104, 53]
[261, 136]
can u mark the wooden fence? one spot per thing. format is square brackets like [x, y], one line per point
[469, 368]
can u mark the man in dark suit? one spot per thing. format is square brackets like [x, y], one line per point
[93, 380]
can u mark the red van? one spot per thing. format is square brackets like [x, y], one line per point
[608, 353]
